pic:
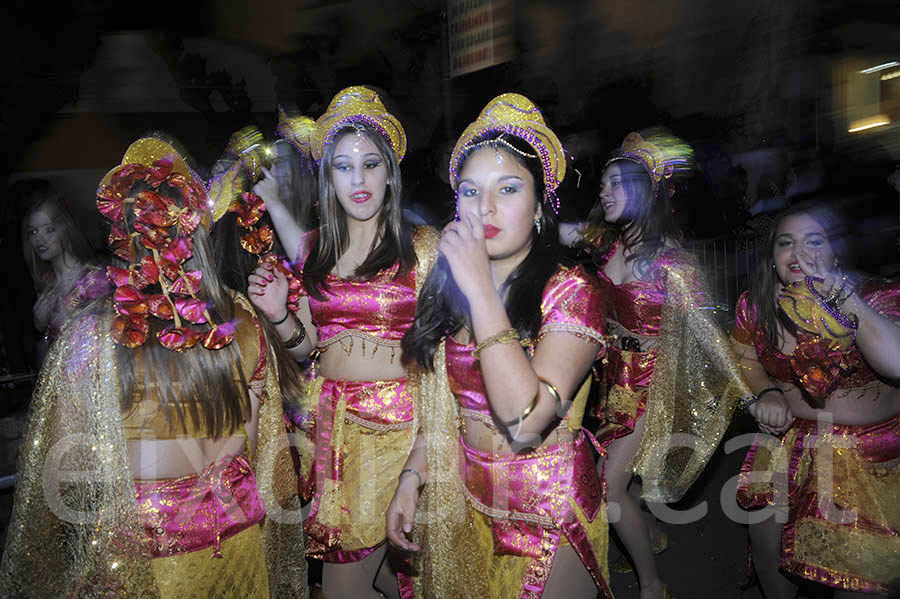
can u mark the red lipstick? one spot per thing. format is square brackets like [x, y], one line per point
[360, 197]
[490, 231]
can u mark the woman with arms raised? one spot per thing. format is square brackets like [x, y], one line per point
[503, 338]
[359, 279]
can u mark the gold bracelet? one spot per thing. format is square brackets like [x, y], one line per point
[526, 412]
[299, 334]
[505, 336]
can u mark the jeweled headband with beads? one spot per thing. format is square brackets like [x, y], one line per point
[357, 105]
[515, 115]
[659, 151]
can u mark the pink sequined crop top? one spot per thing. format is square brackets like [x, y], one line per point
[637, 305]
[854, 371]
[380, 309]
[572, 303]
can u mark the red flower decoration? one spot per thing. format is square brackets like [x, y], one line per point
[160, 307]
[118, 242]
[118, 276]
[220, 336]
[258, 241]
[249, 209]
[109, 204]
[178, 338]
[191, 309]
[151, 237]
[188, 283]
[130, 330]
[129, 300]
[155, 210]
[818, 364]
[175, 254]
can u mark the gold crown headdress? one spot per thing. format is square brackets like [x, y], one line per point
[516, 115]
[297, 131]
[229, 192]
[353, 106]
[659, 151]
[163, 224]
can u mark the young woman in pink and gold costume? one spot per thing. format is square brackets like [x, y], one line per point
[154, 462]
[360, 271]
[669, 377]
[511, 501]
[821, 347]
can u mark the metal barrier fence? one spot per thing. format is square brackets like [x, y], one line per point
[727, 263]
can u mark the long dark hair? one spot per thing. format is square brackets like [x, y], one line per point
[442, 309]
[39, 195]
[646, 224]
[395, 241]
[765, 278]
[198, 383]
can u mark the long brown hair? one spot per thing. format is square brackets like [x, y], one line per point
[41, 197]
[395, 242]
[765, 279]
[647, 223]
[208, 386]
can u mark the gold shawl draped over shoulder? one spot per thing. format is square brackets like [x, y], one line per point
[451, 563]
[76, 528]
[696, 385]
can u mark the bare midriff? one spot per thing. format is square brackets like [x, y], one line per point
[875, 402]
[360, 357]
[155, 459]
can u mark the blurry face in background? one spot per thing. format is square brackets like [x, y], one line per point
[43, 236]
[494, 185]
[612, 194]
[359, 174]
[799, 235]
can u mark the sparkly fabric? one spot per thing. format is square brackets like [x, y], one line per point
[845, 369]
[456, 551]
[846, 536]
[571, 303]
[356, 435]
[91, 283]
[688, 385]
[515, 115]
[380, 309]
[241, 575]
[532, 500]
[362, 434]
[201, 510]
[89, 539]
[354, 105]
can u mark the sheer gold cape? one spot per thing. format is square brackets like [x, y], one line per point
[697, 383]
[75, 529]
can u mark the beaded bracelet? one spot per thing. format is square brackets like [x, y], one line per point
[833, 310]
[503, 337]
[748, 400]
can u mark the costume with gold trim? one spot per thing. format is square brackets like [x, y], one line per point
[357, 434]
[841, 482]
